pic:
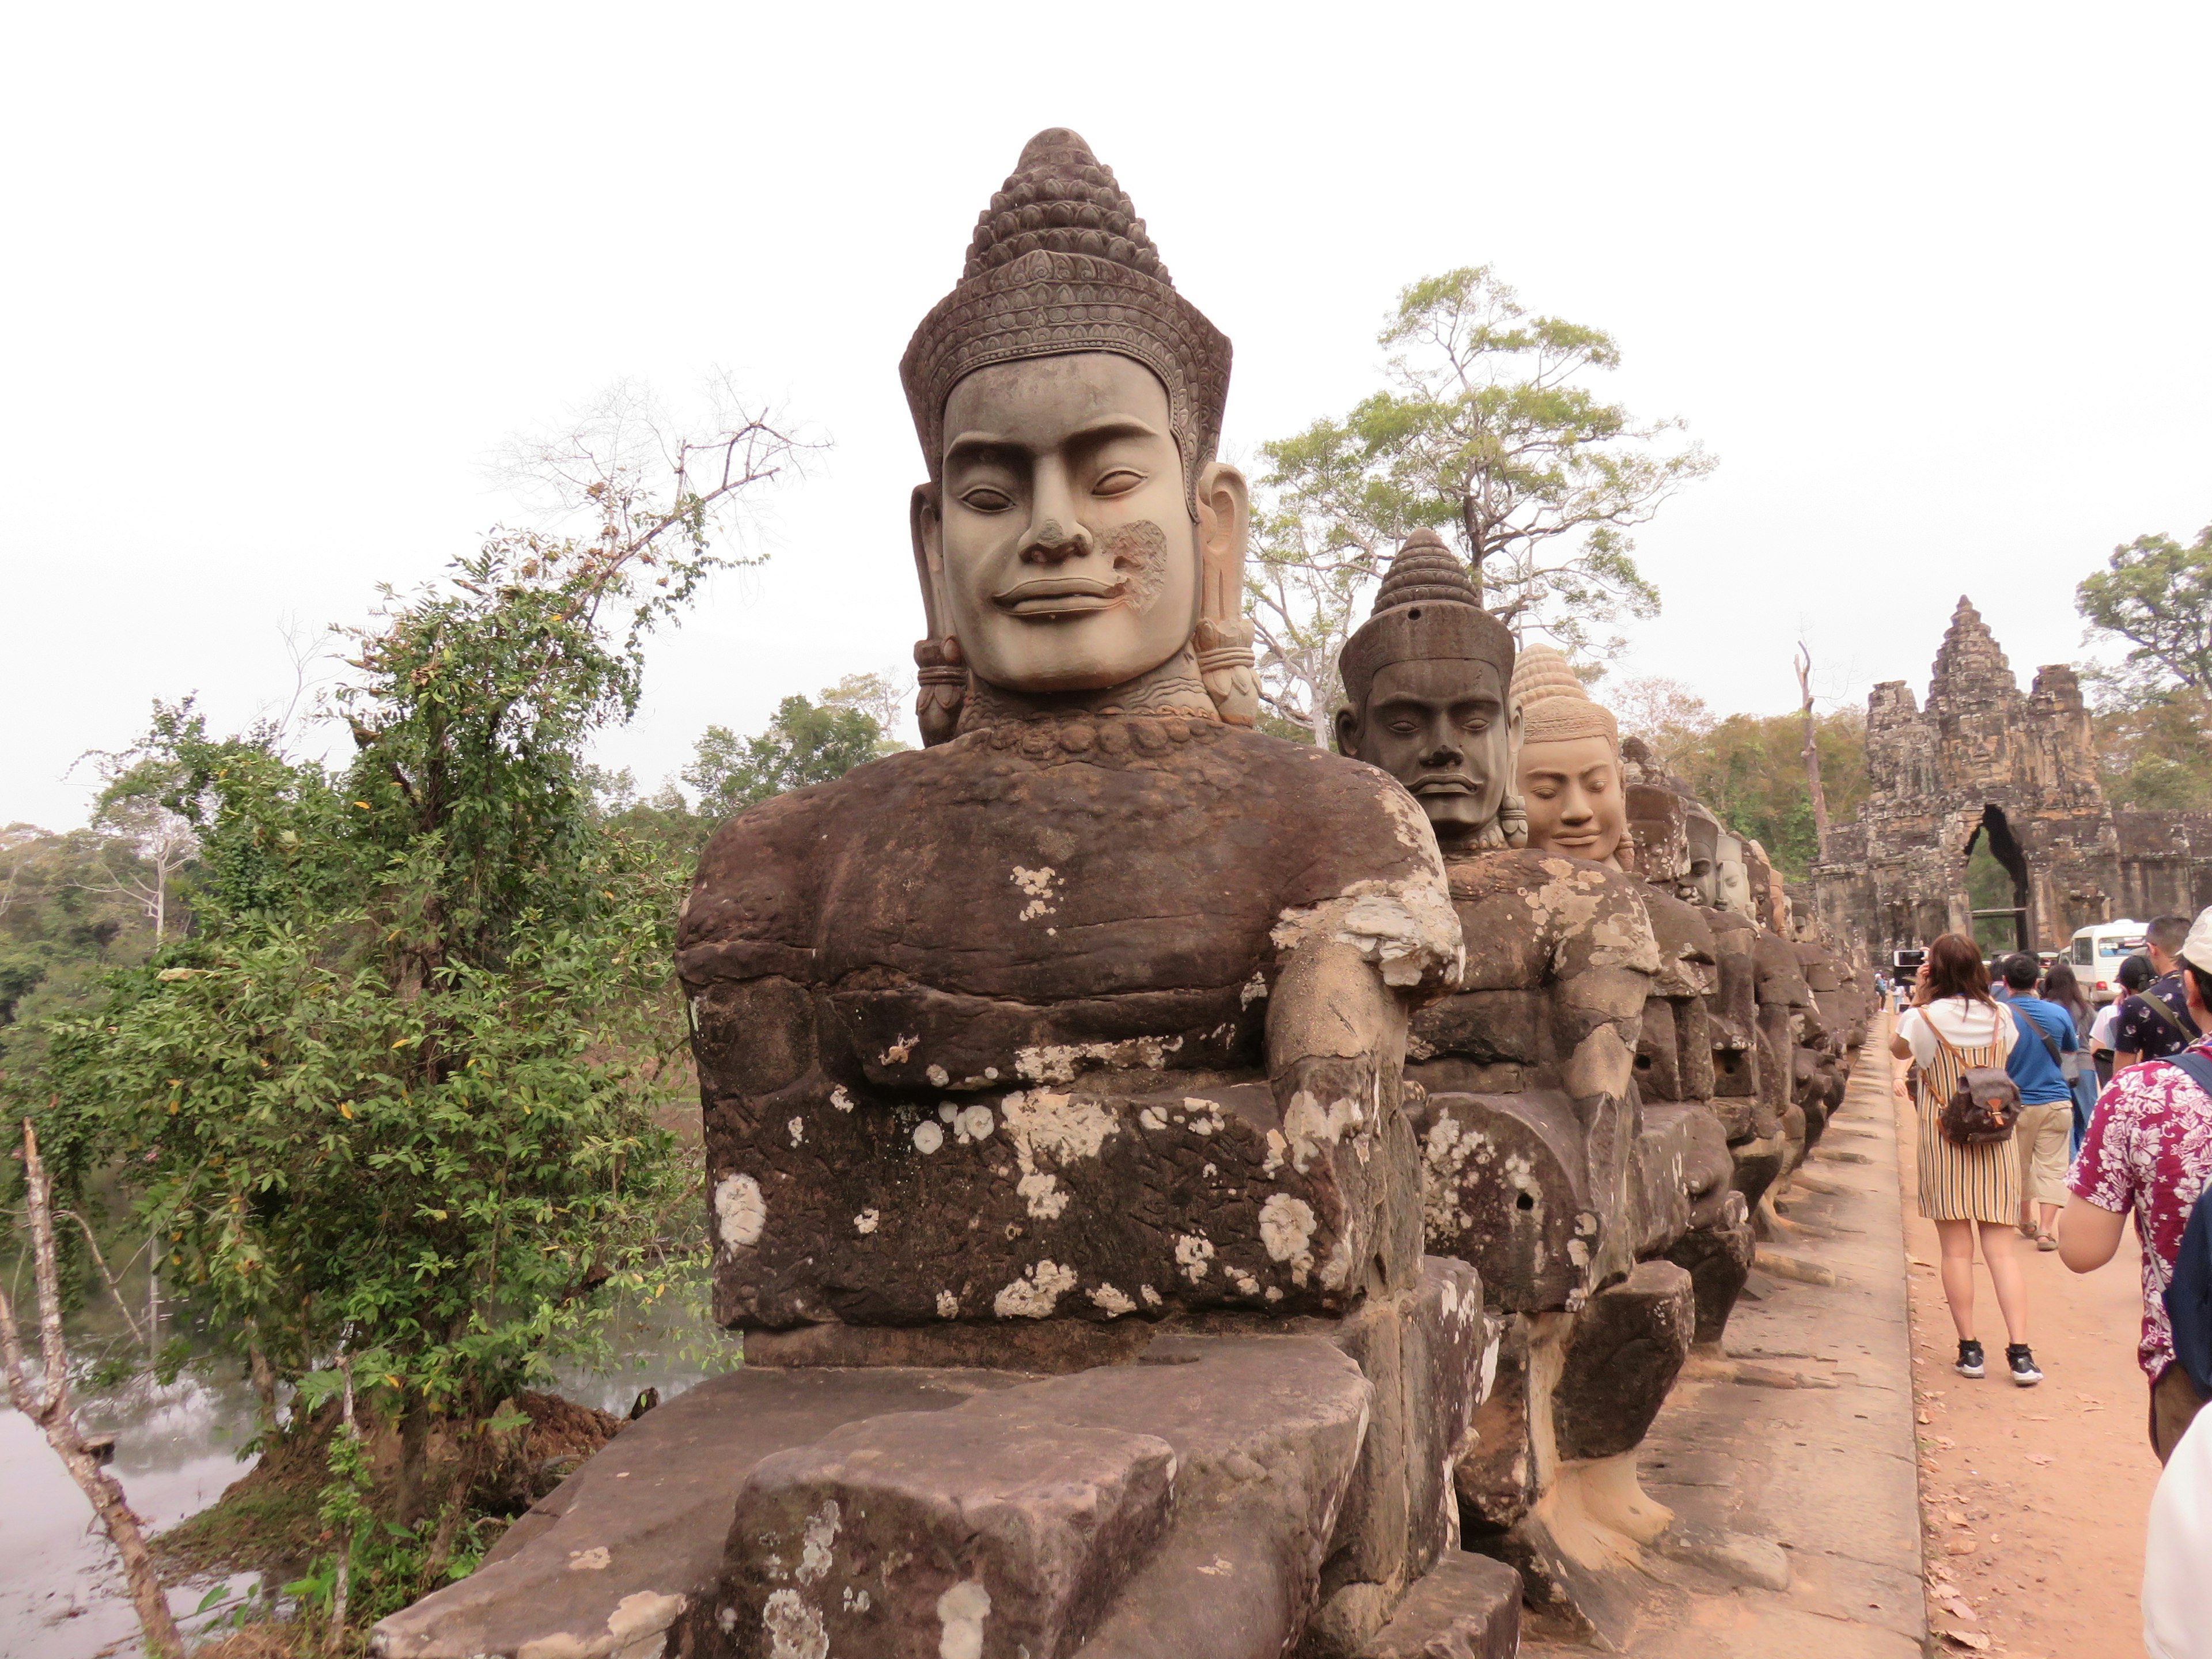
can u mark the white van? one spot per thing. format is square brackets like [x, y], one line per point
[2096, 954]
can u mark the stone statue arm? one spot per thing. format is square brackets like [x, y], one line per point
[745, 951]
[1352, 971]
[1603, 963]
[1602, 969]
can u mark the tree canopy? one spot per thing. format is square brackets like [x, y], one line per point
[805, 743]
[1750, 769]
[390, 1104]
[1487, 431]
[2153, 718]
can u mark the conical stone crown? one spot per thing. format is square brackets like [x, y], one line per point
[1425, 571]
[1060, 199]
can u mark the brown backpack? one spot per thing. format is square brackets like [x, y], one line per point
[1983, 1108]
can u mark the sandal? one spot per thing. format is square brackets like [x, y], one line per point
[2046, 1240]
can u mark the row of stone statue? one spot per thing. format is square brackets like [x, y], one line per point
[1186, 1192]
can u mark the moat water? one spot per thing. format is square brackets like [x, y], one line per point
[62, 1594]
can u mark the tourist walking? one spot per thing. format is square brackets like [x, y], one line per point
[2062, 989]
[2149, 1152]
[1953, 1025]
[2133, 974]
[2037, 1066]
[2155, 1022]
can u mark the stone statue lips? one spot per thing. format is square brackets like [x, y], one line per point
[1048, 598]
[1445, 783]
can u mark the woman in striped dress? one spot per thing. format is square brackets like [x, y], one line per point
[1953, 1024]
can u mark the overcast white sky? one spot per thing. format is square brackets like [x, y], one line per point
[1931, 281]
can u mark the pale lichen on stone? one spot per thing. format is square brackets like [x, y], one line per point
[1036, 1293]
[961, 1611]
[1059, 1062]
[814, 1557]
[741, 1211]
[794, 1628]
[1407, 929]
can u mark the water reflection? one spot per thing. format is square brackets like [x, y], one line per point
[62, 1594]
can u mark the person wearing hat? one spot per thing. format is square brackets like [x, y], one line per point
[2148, 1152]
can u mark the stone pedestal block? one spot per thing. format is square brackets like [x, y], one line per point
[1717, 1257]
[1681, 1157]
[632, 1542]
[1469, 1608]
[1184, 1504]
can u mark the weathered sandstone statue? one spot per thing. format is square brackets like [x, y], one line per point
[1571, 775]
[1071, 1040]
[1528, 1108]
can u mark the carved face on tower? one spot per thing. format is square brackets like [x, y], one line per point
[1571, 773]
[1076, 536]
[1427, 677]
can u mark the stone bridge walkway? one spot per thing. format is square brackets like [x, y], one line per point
[1805, 1435]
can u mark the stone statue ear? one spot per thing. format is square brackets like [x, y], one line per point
[1222, 638]
[1513, 808]
[1225, 526]
[927, 528]
[940, 667]
[1348, 733]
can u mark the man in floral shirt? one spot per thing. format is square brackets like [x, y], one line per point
[2150, 1150]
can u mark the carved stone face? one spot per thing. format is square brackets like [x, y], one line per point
[1573, 792]
[1705, 832]
[1060, 546]
[1439, 725]
[1731, 881]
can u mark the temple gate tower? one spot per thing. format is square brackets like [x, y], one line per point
[1983, 764]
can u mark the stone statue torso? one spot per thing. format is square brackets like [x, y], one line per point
[1006, 1007]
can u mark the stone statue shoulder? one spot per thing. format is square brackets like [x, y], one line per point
[1048, 859]
[1531, 917]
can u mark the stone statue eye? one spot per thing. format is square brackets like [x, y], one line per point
[1118, 481]
[984, 499]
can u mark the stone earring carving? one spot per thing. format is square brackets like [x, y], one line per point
[941, 669]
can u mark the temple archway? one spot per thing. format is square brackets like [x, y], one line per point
[1998, 887]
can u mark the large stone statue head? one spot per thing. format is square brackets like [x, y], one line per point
[1704, 833]
[1427, 677]
[1077, 540]
[1570, 774]
[1731, 879]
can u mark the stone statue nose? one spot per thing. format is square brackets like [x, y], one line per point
[1051, 542]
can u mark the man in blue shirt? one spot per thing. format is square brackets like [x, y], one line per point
[2046, 1112]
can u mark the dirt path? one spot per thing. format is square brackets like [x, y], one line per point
[2032, 1499]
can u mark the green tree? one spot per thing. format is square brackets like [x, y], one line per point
[1488, 432]
[393, 1097]
[1750, 769]
[2153, 715]
[2156, 594]
[805, 743]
